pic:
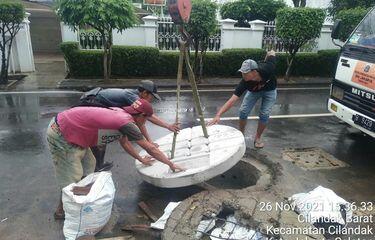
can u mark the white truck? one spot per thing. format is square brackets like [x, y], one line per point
[352, 97]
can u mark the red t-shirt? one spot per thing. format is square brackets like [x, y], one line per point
[92, 126]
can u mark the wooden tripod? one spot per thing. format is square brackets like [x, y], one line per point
[184, 44]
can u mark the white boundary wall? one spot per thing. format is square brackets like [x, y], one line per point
[142, 35]
[231, 37]
[234, 37]
[312, 3]
[21, 56]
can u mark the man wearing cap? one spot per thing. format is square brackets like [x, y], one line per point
[118, 97]
[258, 82]
[72, 132]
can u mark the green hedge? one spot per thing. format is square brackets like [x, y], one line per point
[167, 64]
[320, 64]
[150, 62]
[141, 60]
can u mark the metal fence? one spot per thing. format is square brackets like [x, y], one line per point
[90, 39]
[168, 31]
[271, 41]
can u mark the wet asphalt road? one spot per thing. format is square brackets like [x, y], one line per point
[28, 193]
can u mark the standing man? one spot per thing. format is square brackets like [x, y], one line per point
[72, 132]
[118, 97]
[258, 82]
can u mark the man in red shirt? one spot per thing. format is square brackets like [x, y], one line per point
[72, 132]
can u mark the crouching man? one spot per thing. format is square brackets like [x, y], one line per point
[72, 132]
[118, 97]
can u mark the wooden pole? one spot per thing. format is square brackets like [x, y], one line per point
[179, 78]
[184, 55]
[195, 92]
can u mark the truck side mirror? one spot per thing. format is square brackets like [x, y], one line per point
[336, 29]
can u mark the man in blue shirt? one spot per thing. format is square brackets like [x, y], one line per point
[118, 97]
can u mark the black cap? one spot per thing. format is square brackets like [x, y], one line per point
[151, 87]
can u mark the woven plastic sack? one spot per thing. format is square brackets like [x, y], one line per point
[87, 215]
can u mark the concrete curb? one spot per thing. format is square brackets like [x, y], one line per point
[83, 84]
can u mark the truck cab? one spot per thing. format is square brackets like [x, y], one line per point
[352, 96]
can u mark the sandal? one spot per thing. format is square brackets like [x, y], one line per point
[59, 216]
[258, 144]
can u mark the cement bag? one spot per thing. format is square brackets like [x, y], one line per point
[322, 203]
[87, 215]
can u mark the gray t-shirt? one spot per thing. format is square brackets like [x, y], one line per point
[132, 132]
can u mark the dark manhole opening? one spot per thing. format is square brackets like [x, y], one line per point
[240, 176]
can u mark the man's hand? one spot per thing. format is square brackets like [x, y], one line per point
[147, 161]
[270, 53]
[154, 143]
[175, 168]
[157, 154]
[214, 121]
[174, 127]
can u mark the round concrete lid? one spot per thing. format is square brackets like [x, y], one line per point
[202, 158]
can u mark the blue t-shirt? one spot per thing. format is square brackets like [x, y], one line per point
[117, 97]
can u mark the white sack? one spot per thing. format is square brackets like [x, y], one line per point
[321, 203]
[87, 215]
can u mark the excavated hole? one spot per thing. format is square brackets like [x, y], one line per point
[246, 173]
[242, 175]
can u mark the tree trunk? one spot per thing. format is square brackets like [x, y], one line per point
[8, 59]
[105, 65]
[289, 69]
[105, 57]
[196, 56]
[109, 62]
[201, 56]
[4, 68]
[200, 76]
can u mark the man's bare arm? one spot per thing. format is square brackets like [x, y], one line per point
[231, 101]
[160, 122]
[157, 154]
[128, 147]
[144, 132]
